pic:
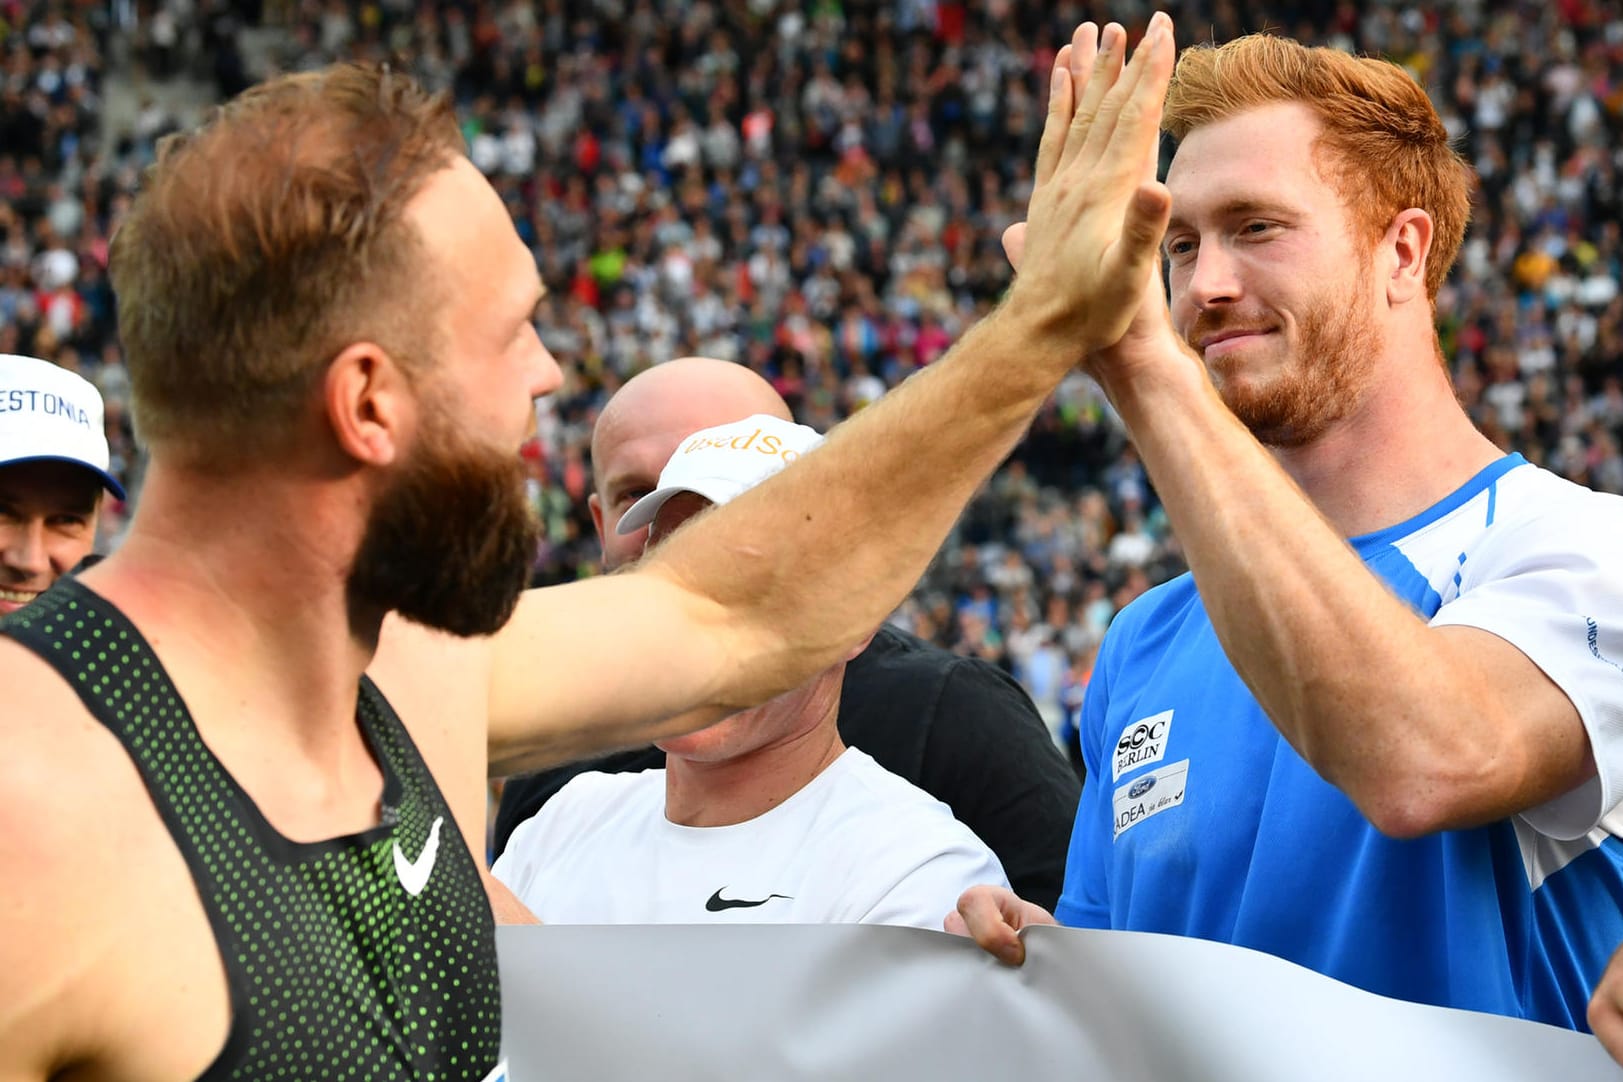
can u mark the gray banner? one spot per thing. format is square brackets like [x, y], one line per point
[830, 1002]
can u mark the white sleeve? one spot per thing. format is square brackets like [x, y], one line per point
[1552, 586]
[515, 868]
[929, 890]
[533, 845]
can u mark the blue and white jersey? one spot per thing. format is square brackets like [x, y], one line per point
[1198, 819]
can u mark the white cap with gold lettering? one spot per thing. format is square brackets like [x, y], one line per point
[48, 413]
[724, 462]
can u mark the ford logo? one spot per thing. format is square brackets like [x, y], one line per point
[1141, 786]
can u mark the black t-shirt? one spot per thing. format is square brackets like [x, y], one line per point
[959, 728]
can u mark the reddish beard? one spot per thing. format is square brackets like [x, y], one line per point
[451, 541]
[1323, 379]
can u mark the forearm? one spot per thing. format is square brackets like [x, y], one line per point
[840, 553]
[751, 599]
[1351, 676]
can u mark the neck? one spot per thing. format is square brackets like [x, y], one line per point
[736, 790]
[239, 583]
[1407, 446]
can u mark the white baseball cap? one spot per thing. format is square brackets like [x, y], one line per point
[48, 413]
[723, 462]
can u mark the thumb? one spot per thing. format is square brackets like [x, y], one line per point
[1143, 227]
[1014, 243]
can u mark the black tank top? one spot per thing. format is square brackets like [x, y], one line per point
[368, 957]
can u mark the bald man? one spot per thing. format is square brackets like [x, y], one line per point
[958, 728]
[641, 425]
[764, 817]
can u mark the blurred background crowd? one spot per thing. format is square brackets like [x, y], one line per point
[817, 190]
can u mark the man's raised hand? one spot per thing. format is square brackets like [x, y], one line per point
[1095, 221]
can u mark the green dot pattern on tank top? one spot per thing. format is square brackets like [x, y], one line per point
[338, 973]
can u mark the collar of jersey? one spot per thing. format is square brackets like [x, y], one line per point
[1488, 475]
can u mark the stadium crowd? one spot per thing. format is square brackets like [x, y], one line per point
[817, 191]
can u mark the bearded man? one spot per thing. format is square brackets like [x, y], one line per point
[328, 320]
[1378, 729]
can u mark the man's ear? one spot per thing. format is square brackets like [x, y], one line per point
[370, 403]
[594, 503]
[1408, 239]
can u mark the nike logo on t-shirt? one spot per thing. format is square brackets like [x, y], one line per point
[414, 873]
[717, 903]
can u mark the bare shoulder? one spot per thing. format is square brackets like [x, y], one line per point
[108, 961]
[60, 797]
[51, 741]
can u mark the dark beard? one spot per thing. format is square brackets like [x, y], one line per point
[450, 543]
[1325, 381]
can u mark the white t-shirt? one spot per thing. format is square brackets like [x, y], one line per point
[856, 845]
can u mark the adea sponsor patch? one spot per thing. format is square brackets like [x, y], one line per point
[1142, 743]
[1149, 794]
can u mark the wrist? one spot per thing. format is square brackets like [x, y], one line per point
[1162, 379]
[1044, 343]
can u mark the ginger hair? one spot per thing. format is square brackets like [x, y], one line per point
[1382, 145]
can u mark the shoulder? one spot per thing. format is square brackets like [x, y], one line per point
[593, 799]
[595, 787]
[40, 727]
[903, 697]
[79, 836]
[895, 654]
[1556, 538]
[887, 804]
[1538, 510]
[592, 813]
[903, 848]
[1175, 596]
[908, 673]
[48, 734]
[55, 753]
[1157, 611]
[960, 727]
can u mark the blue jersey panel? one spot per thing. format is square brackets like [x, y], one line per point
[1198, 819]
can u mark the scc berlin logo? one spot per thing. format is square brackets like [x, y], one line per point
[1141, 735]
